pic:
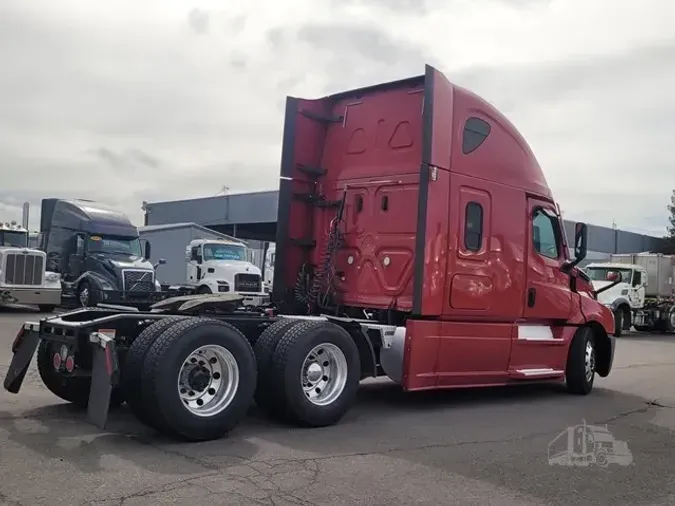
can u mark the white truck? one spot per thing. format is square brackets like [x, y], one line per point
[218, 266]
[23, 275]
[644, 293]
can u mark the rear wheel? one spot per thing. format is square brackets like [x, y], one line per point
[580, 370]
[69, 388]
[198, 379]
[132, 371]
[46, 308]
[317, 370]
[266, 396]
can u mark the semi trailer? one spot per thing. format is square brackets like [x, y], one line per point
[417, 239]
[644, 297]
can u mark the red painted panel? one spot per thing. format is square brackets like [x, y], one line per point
[422, 342]
[473, 353]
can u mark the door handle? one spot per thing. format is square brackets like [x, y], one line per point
[531, 297]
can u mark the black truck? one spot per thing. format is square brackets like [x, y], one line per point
[98, 253]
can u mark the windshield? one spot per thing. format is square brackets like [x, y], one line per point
[600, 273]
[115, 245]
[14, 239]
[224, 252]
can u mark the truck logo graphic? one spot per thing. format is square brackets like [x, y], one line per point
[585, 445]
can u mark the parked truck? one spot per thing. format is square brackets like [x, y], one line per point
[199, 260]
[98, 253]
[23, 276]
[418, 240]
[644, 297]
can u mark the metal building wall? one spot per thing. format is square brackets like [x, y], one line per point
[261, 208]
[222, 210]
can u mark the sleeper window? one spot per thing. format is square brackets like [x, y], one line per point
[544, 234]
[473, 226]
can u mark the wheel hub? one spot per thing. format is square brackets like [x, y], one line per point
[208, 380]
[314, 373]
[324, 374]
[590, 360]
[199, 378]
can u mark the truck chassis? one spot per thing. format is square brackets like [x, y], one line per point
[202, 352]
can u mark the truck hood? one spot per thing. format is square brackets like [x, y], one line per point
[231, 267]
[119, 262]
[610, 296]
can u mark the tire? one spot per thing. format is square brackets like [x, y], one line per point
[46, 308]
[204, 290]
[132, 370]
[162, 367]
[581, 353]
[618, 322]
[71, 389]
[266, 395]
[299, 343]
[92, 298]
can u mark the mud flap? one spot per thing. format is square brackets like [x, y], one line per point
[24, 347]
[104, 376]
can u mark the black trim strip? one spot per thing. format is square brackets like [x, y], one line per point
[423, 194]
[285, 197]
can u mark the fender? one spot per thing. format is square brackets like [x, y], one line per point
[601, 320]
[618, 302]
[99, 281]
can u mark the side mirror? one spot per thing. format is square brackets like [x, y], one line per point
[580, 242]
[161, 261]
[148, 250]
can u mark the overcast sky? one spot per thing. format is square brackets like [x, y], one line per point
[154, 100]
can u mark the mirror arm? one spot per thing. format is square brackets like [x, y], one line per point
[605, 288]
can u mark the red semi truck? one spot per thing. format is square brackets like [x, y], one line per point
[417, 239]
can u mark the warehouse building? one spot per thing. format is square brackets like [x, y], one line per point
[253, 216]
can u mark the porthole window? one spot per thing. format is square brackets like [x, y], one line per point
[475, 132]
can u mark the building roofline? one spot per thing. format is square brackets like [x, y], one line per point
[189, 224]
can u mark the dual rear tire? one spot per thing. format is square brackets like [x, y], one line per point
[308, 372]
[190, 378]
[195, 378]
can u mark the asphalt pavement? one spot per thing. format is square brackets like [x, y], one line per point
[498, 446]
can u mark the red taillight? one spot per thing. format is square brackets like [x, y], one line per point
[70, 364]
[56, 361]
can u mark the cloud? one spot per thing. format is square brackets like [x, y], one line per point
[128, 101]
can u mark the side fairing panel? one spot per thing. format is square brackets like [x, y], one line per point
[433, 206]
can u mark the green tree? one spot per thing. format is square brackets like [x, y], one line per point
[668, 243]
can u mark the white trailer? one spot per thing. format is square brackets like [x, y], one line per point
[23, 278]
[644, 296]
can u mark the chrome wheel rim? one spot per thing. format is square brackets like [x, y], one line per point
[324, 374]
[589, 360]
[208, 380]
[84, 297]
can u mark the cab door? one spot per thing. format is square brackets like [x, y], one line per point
[548, 297]
[538, 348]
